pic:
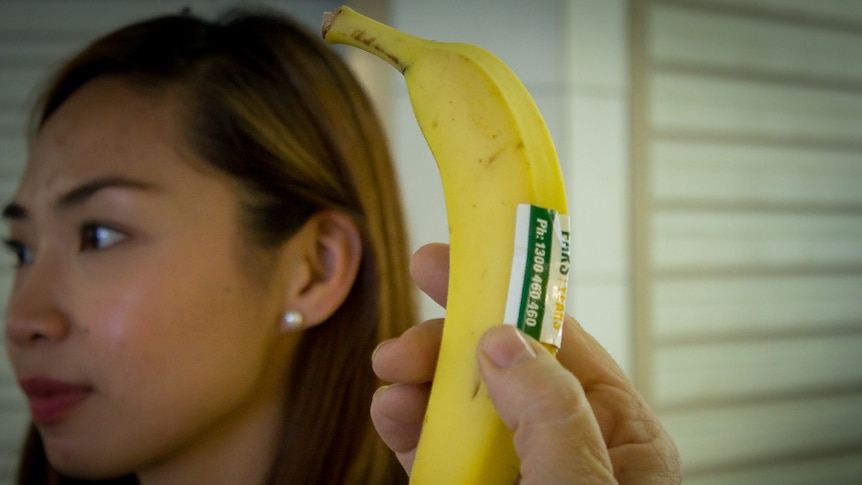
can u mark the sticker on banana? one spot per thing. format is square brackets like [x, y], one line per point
[508, 232]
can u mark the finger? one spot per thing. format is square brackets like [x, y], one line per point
[397, 412]
[429, 268]
[640, 448]
[585, 357]
[411, 357]
[614, 398]
[556, 434]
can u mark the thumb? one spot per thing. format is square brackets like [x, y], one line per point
[556, 434]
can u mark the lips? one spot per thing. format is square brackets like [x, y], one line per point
[52, 400]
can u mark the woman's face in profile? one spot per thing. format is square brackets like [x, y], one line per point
[134, 325]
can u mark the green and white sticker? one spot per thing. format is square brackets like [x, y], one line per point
[536, 302]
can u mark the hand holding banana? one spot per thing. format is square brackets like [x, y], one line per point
[592, 415]
[508, 229]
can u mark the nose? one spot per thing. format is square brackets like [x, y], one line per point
[33, 312]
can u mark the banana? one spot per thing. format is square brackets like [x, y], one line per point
[508, 230]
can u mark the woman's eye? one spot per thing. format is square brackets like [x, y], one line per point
[19, 251]
[95, 237]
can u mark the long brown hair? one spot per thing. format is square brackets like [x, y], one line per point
[268, 103]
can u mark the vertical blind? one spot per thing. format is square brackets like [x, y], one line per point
[747, 137]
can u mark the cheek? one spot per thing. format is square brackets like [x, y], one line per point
[139, 315]
[170, 357]
[162, 326]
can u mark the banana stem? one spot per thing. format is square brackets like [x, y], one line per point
[346, 26]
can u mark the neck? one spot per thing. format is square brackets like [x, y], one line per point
[240, 452]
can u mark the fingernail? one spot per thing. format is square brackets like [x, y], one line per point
[381, 344]
[380, 390]
[506, 347]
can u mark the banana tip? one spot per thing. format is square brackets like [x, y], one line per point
[328, 18]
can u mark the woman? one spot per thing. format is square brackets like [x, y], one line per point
[189, 186]
[211, 247]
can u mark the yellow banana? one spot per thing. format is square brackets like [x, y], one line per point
[508, 230]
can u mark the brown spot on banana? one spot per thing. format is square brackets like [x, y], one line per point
[372, 43]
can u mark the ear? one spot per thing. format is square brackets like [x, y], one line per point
[324, 259]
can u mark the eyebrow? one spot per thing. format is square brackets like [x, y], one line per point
[80, 194]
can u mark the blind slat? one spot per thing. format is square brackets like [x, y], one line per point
[695, 375]
[742, 43]
[724, 438]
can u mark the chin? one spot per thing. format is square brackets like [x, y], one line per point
[84, 467]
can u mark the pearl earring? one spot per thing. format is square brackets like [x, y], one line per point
[292, 321]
